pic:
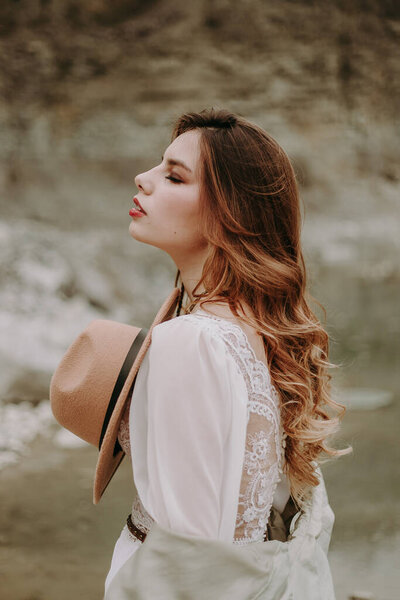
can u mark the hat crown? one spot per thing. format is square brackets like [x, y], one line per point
[81, 387]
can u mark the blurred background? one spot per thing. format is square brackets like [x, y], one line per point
[89, 92]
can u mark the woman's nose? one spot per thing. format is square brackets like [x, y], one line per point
[138, 181]
[143, 183]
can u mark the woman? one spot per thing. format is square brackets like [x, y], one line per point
[229, 414]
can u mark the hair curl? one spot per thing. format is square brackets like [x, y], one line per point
[250, 213]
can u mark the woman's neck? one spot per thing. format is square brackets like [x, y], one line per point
[191, 269]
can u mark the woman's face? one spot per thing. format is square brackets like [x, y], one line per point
[169, 193]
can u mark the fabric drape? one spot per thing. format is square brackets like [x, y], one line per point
[171, 566]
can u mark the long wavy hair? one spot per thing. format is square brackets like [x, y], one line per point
[250, 216]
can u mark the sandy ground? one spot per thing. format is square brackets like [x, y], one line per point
[54, 542]
[56, 545]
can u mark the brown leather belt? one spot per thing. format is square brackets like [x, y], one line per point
[135, 531]
[277, 527]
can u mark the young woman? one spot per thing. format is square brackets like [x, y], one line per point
[231, 408]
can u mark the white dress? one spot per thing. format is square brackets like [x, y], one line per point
[204, 433]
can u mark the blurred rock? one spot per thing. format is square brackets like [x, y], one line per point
[28, 385]
[19, 426]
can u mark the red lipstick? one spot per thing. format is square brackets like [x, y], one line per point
[137, 210]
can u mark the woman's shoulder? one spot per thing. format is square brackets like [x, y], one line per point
[198, 337]
[188, 345]
[196, 328]
[178, 326]
[186, 332]
[210, 332]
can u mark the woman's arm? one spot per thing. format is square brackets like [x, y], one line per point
[188, 391]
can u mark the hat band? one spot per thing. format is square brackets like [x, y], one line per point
[123, 374]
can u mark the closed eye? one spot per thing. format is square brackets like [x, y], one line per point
[173, 179]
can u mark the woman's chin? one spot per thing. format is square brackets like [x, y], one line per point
[140, 236]
[134, 231]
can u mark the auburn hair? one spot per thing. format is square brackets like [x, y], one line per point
[250, 216]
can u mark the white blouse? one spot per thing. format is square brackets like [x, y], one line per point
[204, 433]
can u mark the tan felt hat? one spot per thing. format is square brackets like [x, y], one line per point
[92, 383]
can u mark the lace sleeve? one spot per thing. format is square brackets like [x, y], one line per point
[259, 480]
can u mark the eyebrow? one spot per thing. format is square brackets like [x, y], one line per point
[179, 163]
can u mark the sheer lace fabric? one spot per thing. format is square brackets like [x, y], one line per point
[263, 458]
[123, 433]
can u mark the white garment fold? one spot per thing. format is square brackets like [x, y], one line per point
[169, 566]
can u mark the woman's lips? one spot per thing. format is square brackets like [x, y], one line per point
[134, 212]
[137, 210]
[136, 201]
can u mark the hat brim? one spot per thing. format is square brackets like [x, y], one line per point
[108, 462]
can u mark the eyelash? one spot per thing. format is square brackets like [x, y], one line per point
[173, 179]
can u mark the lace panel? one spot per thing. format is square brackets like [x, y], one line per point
[123, 432]
[140, 516]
